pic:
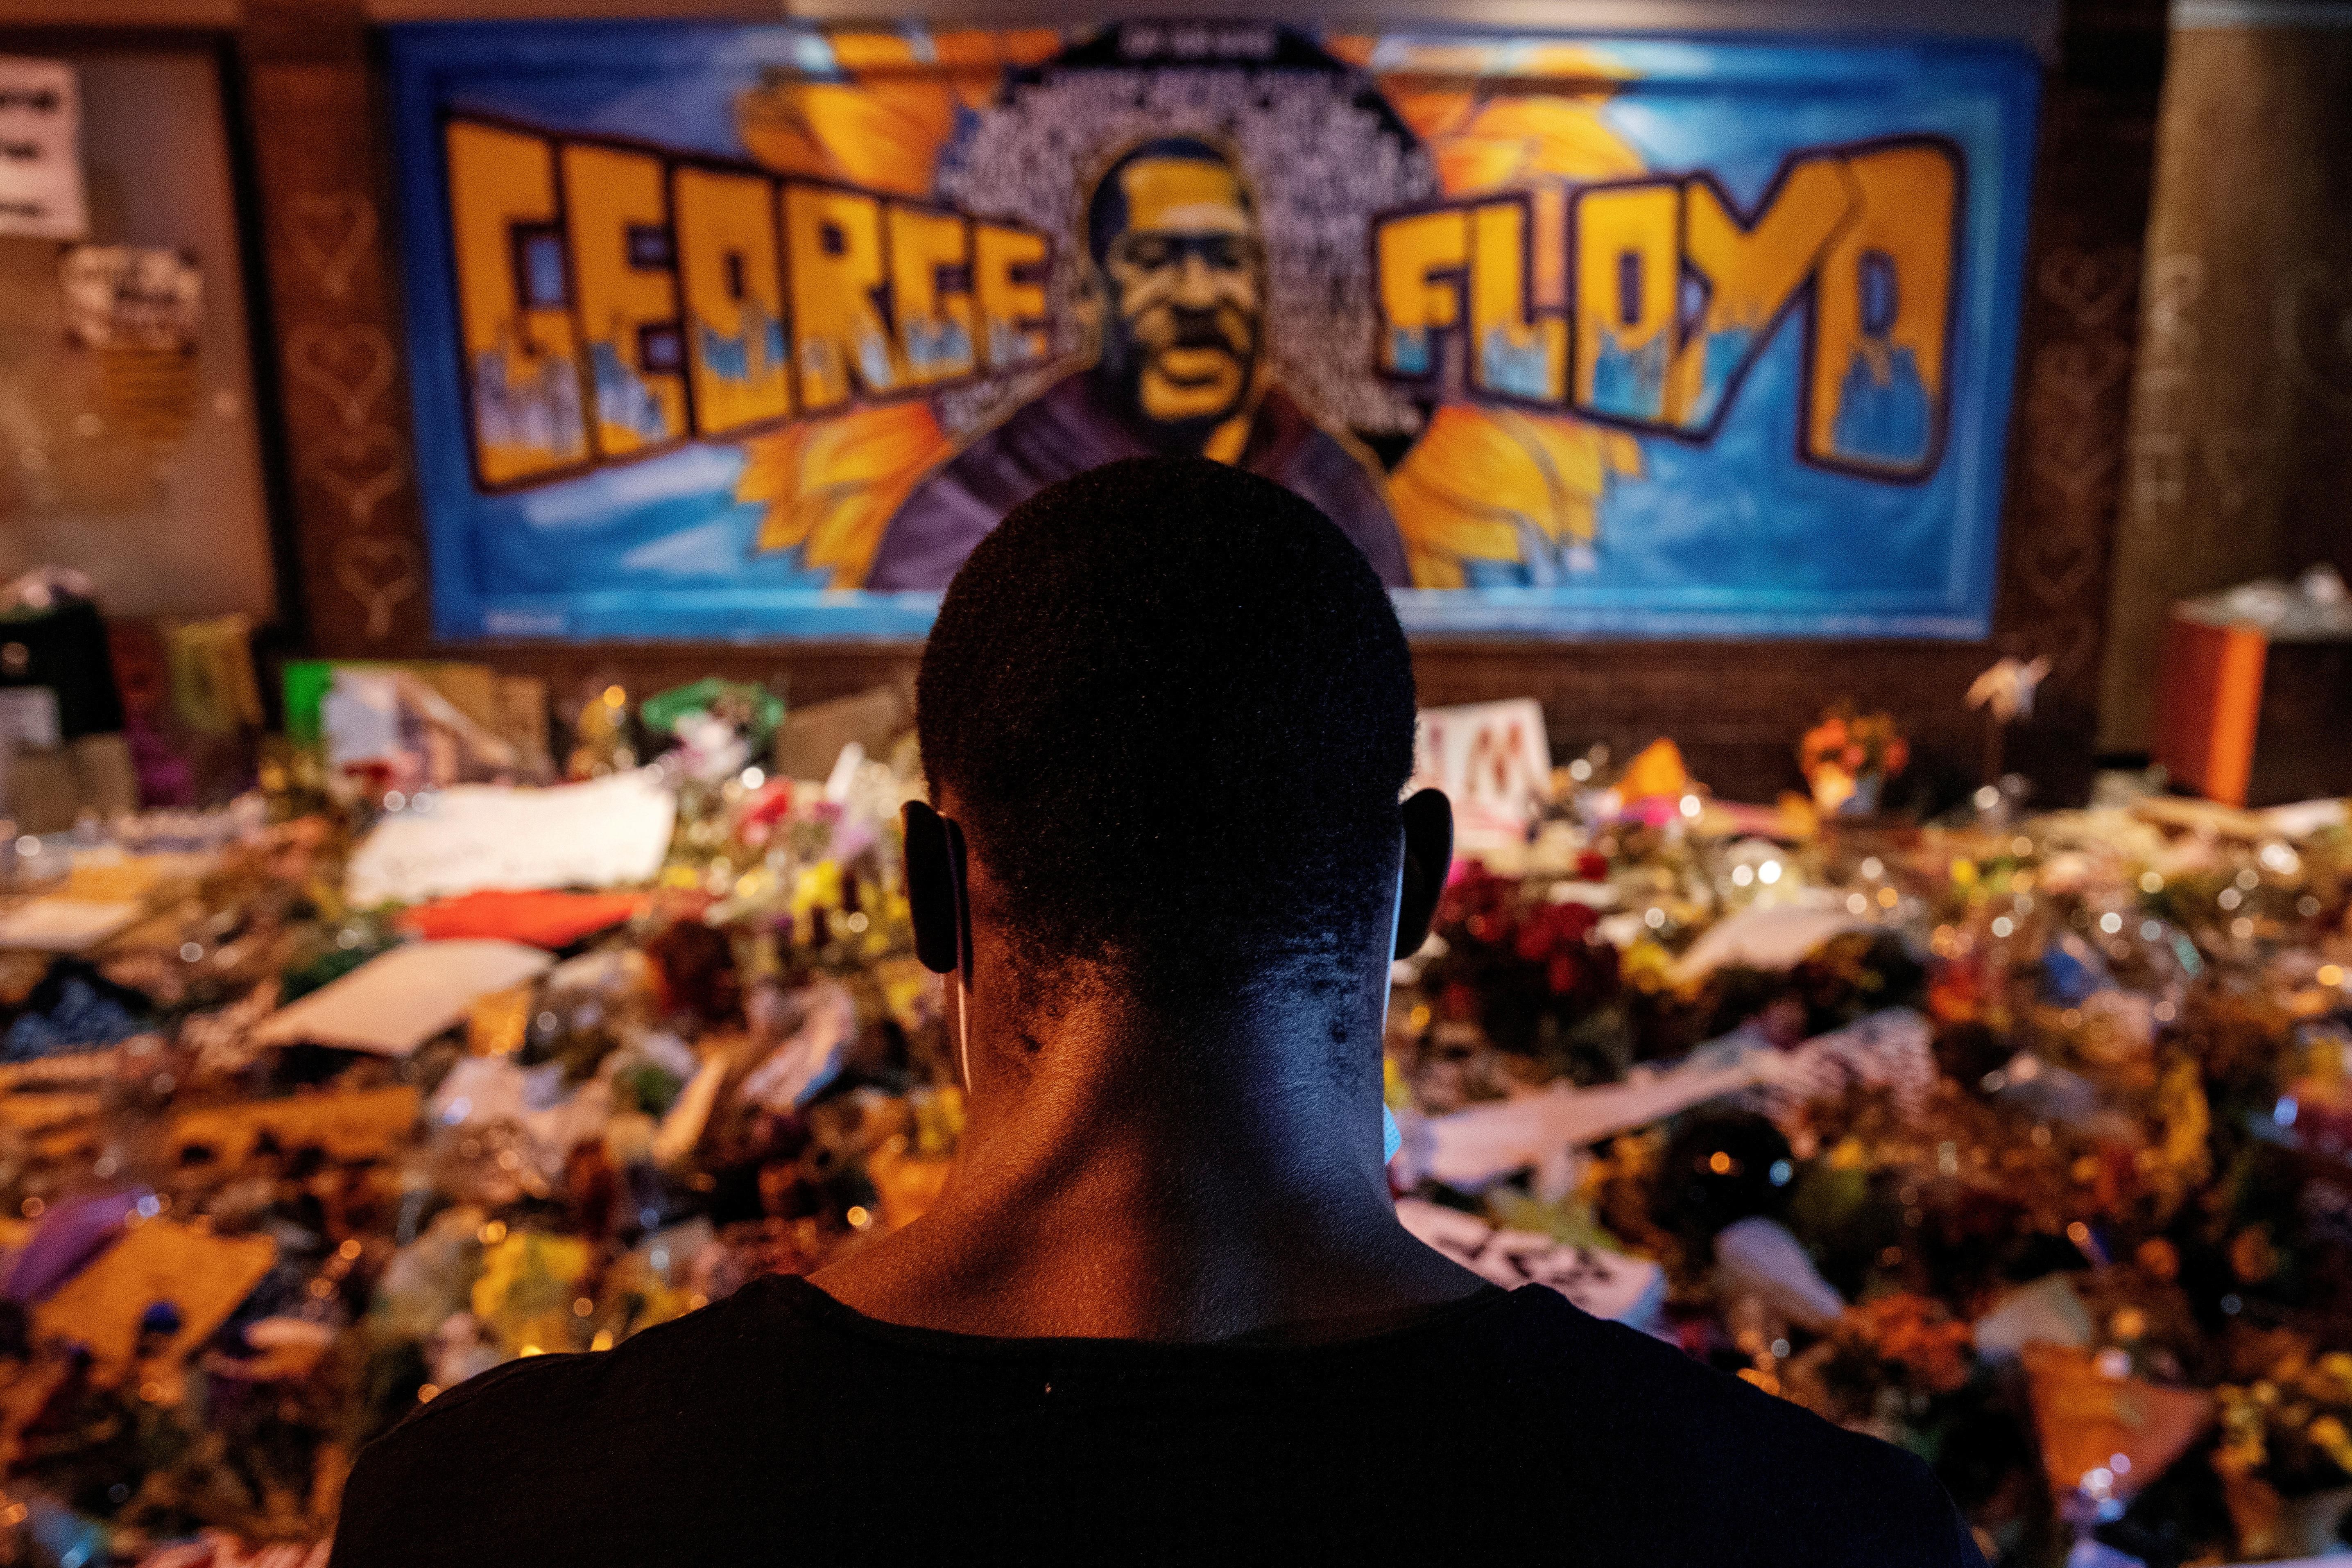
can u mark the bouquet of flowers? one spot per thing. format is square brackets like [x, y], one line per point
[1525, 969]
[1848, 757]
[2286, 1454]
[1895, 1366]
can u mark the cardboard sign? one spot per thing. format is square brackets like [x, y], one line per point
[362, 1124]
[40, 150]
[2086, 1413]
[1493, 759]
[203, 1276]
[602, 834]
[65, 925]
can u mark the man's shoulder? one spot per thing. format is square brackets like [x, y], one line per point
[545, 1456]
[555, 1393]
[1063, 430]
[1688, 1448]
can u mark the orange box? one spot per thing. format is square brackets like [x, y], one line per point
[2249, 721]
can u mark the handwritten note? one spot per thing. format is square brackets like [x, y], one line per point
[604, 833]
[1606, 1284]
[41, 193]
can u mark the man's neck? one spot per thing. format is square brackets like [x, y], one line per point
[1124, 1188]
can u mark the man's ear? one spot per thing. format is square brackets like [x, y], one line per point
[934, 886]
[1428, 856]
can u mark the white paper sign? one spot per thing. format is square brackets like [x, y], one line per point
[1606, 1284]
[64, 925]
[2044, 1312]
[1763, 936]
[1493, 759]
[28, 719]
[1762, 1258]
[40, 150]
[397, 1001]
[1471, 1147]
[471, 837]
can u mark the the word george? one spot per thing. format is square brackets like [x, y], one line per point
[614, 299]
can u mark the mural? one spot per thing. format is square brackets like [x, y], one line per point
[755, 331]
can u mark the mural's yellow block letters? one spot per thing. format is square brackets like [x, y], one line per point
[1516, 353]
[930, 271]
[1420, 258]
[1626, 283]
[521, 352]
[613, 298]
[1674, 293]
[1010, 282]
[833, 251]
[738, 366]
[617, 213]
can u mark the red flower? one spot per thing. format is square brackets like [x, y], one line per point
[1576, 920]
[1564, 973]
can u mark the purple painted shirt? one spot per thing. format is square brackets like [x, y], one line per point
[1074, 426]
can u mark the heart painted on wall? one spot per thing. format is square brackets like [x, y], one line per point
[362, 472]
[2090, 286]
[379, 571]
[330, 235]
[351, 366]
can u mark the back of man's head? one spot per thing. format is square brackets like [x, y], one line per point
[1173, 707]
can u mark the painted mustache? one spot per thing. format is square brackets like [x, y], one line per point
[1168, 329]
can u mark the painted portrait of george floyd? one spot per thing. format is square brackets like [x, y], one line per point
[1172, 231]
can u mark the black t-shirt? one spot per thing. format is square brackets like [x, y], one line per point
[780, 1426]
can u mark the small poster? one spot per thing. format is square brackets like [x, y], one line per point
[129, 296]
[41, 195]
[1493, 759]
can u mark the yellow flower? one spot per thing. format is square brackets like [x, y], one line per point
[819, 888]
[528, 1284]
[830, 485]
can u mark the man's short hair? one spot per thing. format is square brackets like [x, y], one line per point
[1175, 709]
[1107, 214]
